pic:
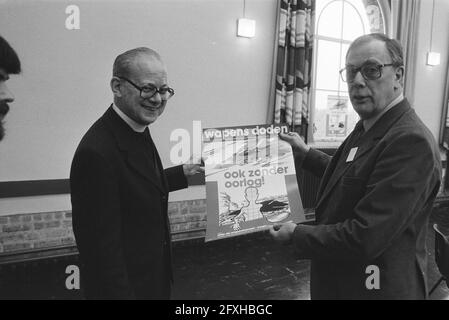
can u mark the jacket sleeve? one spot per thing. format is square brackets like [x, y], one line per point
[404, 180]
[315, 161]
[176, 178]
[97, 224]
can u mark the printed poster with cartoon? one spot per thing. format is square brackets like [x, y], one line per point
[250, 180]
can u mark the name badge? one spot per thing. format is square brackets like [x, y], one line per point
[351, 154]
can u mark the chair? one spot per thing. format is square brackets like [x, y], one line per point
[441, 254]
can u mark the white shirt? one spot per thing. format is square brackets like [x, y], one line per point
[137, 127]
[368, 123]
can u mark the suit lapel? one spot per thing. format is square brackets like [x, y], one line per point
[336, 169]
[380, 128]
[131, 148]
[330, 169]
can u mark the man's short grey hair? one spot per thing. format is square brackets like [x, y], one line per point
[123, 61]
[393, 46]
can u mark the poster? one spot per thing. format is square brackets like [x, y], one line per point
[250, 180]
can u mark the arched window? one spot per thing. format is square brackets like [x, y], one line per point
[338, 23]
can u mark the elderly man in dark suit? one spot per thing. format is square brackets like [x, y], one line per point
[9, 64]
[119, 188]
[376, 192]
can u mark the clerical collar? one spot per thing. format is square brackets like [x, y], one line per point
[367, 124]
[137, 127]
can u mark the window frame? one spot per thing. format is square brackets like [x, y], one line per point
[384, 9]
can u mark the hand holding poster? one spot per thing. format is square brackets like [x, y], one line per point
[250, 180]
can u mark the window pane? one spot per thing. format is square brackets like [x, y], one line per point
[329, 23]
[334, 117]
[328, 65]
[344, 50]
[355, 20]
[352, 23]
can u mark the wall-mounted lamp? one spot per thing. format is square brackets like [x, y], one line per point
[433, 58]
[246, 27]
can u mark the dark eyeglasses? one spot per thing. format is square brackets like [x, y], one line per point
[369, 70]
[148, 91]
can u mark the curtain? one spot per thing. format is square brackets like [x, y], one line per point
[405, 15]
[294, 44]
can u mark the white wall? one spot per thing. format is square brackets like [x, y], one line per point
[431, 81]
[219, 78]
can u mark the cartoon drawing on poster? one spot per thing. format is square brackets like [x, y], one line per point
[251, 211]
[250, 180]
[271, 210]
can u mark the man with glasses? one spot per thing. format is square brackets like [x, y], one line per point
[9, 64]
[120, 191]
[376, 192]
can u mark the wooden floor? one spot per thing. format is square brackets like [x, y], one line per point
[254, 267]
[246, 267]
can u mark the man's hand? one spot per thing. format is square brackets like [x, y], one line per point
[191, 169]
[283, 232]
[297, 143]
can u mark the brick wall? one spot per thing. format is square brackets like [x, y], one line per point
[187, 219]
[26, 232]
[34, 231]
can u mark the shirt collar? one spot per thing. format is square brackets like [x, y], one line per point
[368, 123]
[137, 127]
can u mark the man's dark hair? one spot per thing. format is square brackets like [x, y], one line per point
[393, 46]
[9, 61]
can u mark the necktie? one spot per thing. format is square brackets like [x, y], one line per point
[358, 132]
[353, 141]
[341, 162]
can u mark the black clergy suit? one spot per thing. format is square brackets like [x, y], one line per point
[119, 196]
[373, 210]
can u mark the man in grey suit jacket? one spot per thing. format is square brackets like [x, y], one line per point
[376, 192]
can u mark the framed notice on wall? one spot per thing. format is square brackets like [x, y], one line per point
[337, 116]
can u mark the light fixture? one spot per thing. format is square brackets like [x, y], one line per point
[246, 27]
[433, 58]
